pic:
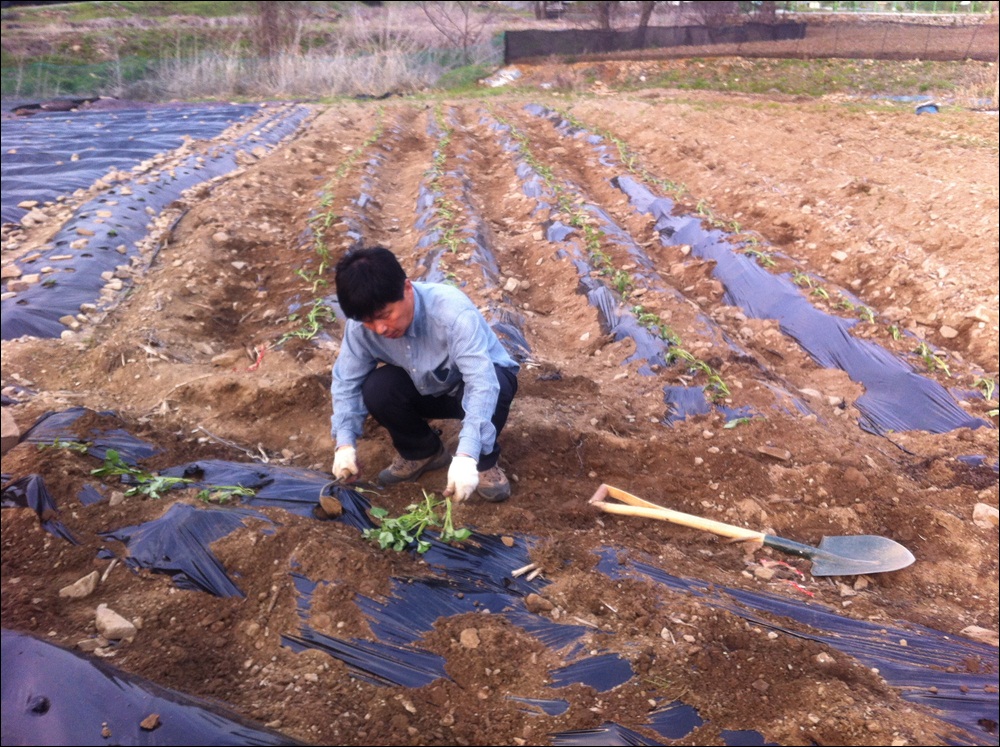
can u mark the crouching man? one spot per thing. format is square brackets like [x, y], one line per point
[439, 360]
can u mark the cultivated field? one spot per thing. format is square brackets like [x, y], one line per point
[883, 222]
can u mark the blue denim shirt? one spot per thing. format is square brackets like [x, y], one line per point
[448, 342]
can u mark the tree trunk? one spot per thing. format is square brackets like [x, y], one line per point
[645, 14]
[540, 9]
[603, 12]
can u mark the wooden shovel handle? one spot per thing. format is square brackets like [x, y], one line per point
[645, 509]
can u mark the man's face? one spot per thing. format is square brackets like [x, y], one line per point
[393, 319]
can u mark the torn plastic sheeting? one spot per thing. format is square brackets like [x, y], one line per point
[675, 720]
[683, 403]
[744, 738]
[89, 495]
[291, 488]
[923, 662]
[538, 707]
[30, 492]
[415, 605]
[177, 544]
[59, 426]
[507, 323]
[686, 402]
[374, 662]
[979, 461]
[649, 348]
[603, 673]
[36, 311]
[895, 399]
[51, 695]
[44, 145]
[607, 735]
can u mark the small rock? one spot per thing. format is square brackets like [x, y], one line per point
[150, 722]
[538, 604]
[27, 204]
[783, 455]
[90, 645]
[839, 256]
[469, 638]
[11, 433]
[507, 541]
[221, 237]
[824, 659]
[113, 626]
[983, 515]
[10, 272]
[81, 589]
[239, 265]
[948, 333]
[761, 686]
[117, 498]
[228, 359]
[983, 635]
[512, 285]
[764, 574]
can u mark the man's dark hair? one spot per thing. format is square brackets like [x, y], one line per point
[368, 280]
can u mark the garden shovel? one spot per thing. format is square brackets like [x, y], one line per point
[835, 556]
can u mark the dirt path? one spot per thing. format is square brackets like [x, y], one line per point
[896, 214]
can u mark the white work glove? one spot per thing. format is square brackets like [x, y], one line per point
[463, 478]
[345, 463]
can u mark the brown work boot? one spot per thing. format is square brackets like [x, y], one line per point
[493, 485]
[405, 470]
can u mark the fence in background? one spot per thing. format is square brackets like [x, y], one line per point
[871, 38]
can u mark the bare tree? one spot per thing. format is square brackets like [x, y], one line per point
[645, 14]
[458, 22]
[277, 25]
[768, 12]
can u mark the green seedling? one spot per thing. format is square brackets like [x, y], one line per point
[931, 360]
[993, 413]
[76, 446]
[222, 494]
[763, 258]
[895, 332]
[320, 313]
[866, 314]
[402, 532]
[822, 292]
[148, 484]
[801, 279]
[622, 282]
[987, 386]
[736, 423]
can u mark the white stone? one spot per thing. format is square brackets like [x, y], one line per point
[985, 516]
[11, 433]
[81, 589]
[113, 626]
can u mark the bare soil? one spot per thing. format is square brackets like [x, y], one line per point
[901, 210]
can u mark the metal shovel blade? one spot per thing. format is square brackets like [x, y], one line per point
[858, 554]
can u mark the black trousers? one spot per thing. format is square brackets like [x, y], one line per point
[394, 402]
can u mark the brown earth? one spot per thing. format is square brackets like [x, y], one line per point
[899, 209]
